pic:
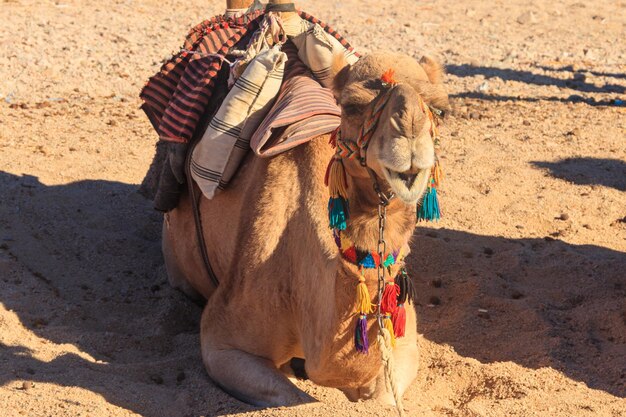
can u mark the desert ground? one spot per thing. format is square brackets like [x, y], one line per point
[521, 285]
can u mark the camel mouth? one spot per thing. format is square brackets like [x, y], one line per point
[408, 186]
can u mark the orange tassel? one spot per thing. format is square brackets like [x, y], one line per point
[437, 174]
[387, 77]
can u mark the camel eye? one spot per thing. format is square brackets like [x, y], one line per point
[352, 109]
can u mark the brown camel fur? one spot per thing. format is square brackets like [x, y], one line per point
[285, 291]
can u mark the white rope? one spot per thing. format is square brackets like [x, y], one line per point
[384, 342]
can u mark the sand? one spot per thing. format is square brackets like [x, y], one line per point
[522, 285]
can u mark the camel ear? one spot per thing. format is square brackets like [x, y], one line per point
[434, 70]
[340, 70]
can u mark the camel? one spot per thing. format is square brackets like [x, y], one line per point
[285, 291]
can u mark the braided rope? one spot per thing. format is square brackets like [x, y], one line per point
[384, 342]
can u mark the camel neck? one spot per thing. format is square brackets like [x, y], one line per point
[363, 226]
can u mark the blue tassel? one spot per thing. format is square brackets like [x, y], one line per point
[428, 210]
[338, 213]
[361, 341]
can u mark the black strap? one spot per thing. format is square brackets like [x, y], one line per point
[195, 205]
[284, 7]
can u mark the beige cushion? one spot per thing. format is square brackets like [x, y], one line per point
[226, 141]
[316, 49]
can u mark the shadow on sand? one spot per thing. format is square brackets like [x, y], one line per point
[96, 281]
[577, 83]
[588, 171]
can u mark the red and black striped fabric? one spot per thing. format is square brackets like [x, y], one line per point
[176, 97]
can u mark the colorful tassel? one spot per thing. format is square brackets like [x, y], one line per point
[437, 174]
[388, 77]
[338, 213]
[336, 179]
[361, 341]
[389, 326]
[363, 300]
[428, 208]
[389, 301]
[398, 318]
[407, 290]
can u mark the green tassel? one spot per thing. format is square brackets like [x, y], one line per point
[428, 209]
[338, 213]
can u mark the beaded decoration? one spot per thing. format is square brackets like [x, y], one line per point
[399, 290]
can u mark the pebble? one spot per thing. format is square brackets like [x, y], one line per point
[516, 295]
[564, 216]
[488, 251]
[27, 385]
[434, 300]
[436, 283]
[474, 115]
[181, 376]
[157, 379]
[482, 313]
[528, 17]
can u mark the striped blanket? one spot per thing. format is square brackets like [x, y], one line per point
[303, 110]
[176, 97]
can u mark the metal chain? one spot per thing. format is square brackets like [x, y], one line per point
[382, 249]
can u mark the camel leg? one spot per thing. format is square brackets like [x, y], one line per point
[175, 276]
[249, 378]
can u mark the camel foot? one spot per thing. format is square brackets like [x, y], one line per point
[252, 379]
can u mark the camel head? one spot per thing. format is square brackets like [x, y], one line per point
[401, 150]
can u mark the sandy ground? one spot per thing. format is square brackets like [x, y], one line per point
[534, 229]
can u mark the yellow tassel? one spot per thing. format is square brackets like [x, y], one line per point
[437, 174]
[363, 300]
[389, 326]
[336, 178]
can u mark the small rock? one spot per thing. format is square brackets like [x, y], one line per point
[482, 313]
[549, 239]
[434, 300]
[528, 17]
[112, 122]
[157, 379]
[564, 216]
[27, 385]
[516, 295]
[484, 87]
[474, 115]
[436, 283]
[574, 132]
[587, 226]
[181, 376]
[488, 251]
[526, 123]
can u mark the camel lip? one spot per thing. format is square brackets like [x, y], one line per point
[408, 186]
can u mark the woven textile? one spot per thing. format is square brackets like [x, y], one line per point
[303, 110]
[176, 97]
[227, 139]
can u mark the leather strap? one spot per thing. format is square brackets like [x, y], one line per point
[195, 205]
[281, 7]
